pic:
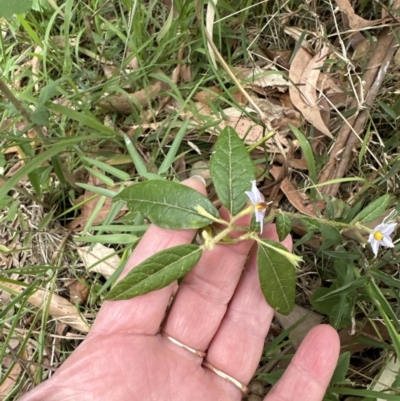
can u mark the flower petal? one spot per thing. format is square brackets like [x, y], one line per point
[259, 215]
[387, 229]
[371, 237]
[387, 241]
[375, 246]
[251, 197]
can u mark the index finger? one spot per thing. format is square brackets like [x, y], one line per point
[143, 314]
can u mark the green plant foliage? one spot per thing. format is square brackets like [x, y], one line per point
[277, 276]
[157, 272]
[10, 7]
[310, 224]
[168, 204]
[339, 376]
[232, 170]
[373, 210]
[283, 226]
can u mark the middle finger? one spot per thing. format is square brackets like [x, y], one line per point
[202, 299]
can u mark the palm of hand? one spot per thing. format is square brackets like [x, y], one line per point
[123, 357]
[128, 367]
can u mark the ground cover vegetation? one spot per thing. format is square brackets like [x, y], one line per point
[100, 95]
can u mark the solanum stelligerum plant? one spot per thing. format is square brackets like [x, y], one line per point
[169, 204]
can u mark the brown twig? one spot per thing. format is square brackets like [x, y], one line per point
[362, 118]
[349, 133]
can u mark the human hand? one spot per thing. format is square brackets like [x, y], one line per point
[219, 308]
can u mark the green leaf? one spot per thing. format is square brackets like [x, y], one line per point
[84, 118]
[168, 204]
[136, 158]
[173, 150]
[373, 210]
[122, 175]
[283, 225]
[345, 289]
[49, 90]
[392, 113]
[330, 235]
[308, 154]
[231, 170]
[277, 276]
[310, 224]
[386, 278]
[342, 367]
[157, 272]
[10, 7]
[40, 116]
[109, 239]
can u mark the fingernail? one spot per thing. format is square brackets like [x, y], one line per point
[199, 178]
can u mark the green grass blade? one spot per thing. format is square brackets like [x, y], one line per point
[167, 163]
[33, 164]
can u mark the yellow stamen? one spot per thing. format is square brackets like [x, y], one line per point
[261, 206]
[378, 236]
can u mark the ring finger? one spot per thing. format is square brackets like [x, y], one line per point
[237, 346]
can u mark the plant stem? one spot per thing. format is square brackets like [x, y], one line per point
[17, 104]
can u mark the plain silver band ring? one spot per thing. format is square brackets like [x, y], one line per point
[244, 389]
[184, 346]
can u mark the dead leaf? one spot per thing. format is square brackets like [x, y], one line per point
[310, 320]
[355, 21]
[310, 77]
[387, 378]
[186, 73]
[180, 168]
[329, 86]
[210, 17]
[78, 292]
[364, 49]
[208, 95]
[100, 259]
[351, 342]
[59, 308]
[279, 116]
[263, 78]
[294, 196]
[109, 70]
[296, 33]
[201, 168]
[250, 132]
[312, 114]
[89, 206]
[9, 382]
[127, 103]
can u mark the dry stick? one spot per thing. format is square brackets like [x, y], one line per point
[362, 118]
[330, 172]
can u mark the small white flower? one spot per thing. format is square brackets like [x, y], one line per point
[381, 236]
[258, 200]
